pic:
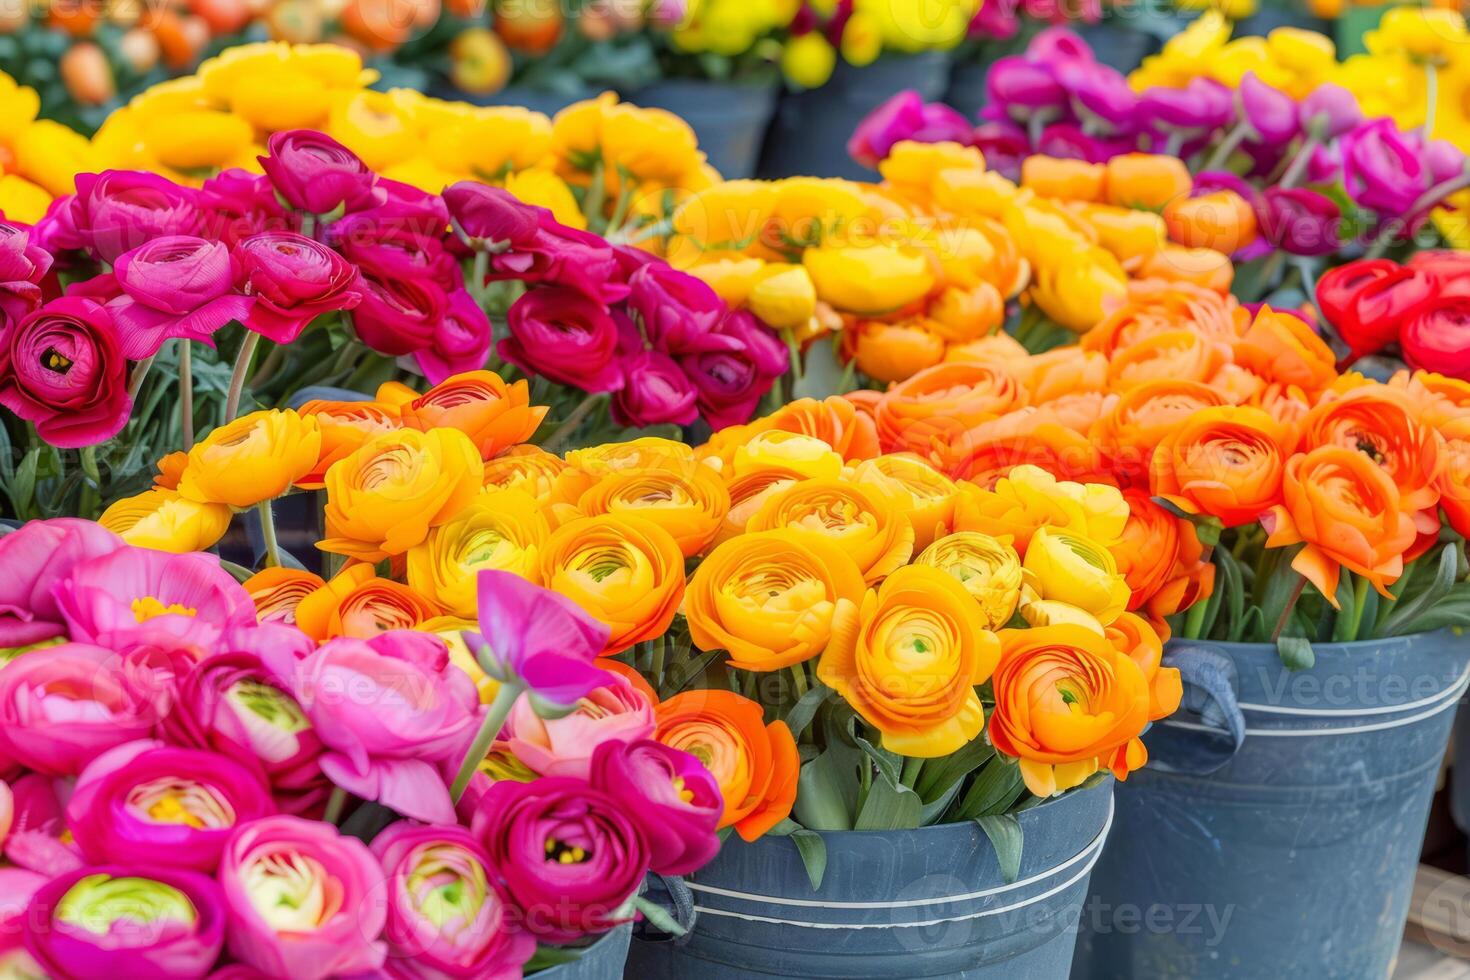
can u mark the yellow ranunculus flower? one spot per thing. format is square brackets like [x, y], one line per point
[864, 522]
[984, 193]
[990, 570]
[283, 99]
[545, 189]
[926, 495]
[869, 280]
[910, 664]
[1131, 235]
[197, 139]
[807, 60]
[918, 25]
[1072, 568]
[22, 200]
[254, 458]
[783, 296]
[451, 630]
[862, 39]
[1029, 498]
[384, 497]
[529, 469]
[635, 454]
[911, 167]
[1053, 612]
[725, 217]
[18, 107]
[576, 131]
[792, 452]
[502, 530]
[374, 127]
[731, 276]
[1433, 34]
[495, 142]
[51, 155]
[690, 501]
[625, 571]
[165, 521]
[771, 599]
[649, 144]
[1075, 289]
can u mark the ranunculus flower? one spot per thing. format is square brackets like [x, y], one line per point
[1369, 301]
[256, 457]
[448, 914]
[1202, 104]
[906, 116]
[1020, 86]
[639, 577]
[316, 174]
[1330, 111]
[399, 316]
[1161, 559]
[655, 391]
[357, 603]
[387, 709]
[23, 264]
[238, 204]
[62, 368]
[293, 280]
[613, 712]
[570, 855]
[926, 412]
[1132, 635]
[1271, 112]
[1434, 337]
[383, 498]
[489, 216]
[732, 382]
[678, 311]
[925, 494]
[299, 898]
[1386, 425]
[176, 806]
[38, 840]
[1066, 704]
[62, 706]
[1381, 168]
[561, 256]
[1075, 571]
[566, 336]
[988, 569]
[165, 521]
[345, 426]
[911, 666]
[864, 522]
[1224, 462]
[33, 559]
[397, 249]
[17, 885]
[127, 921]
[277, 591]
[500, 529]
[119, 210]
[671, 796]
[689, 501]
[772, 599]
[1141, 418]
[461, 340]
[1301, 221]
[1282, 347]
[175, 286]
[756, 764]
[495, 415]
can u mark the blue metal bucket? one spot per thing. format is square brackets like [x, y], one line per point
[729, 118]
[906, 903]
[1276, 833]
[603, 960]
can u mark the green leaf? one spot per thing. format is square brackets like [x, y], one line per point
[1409, 611]
[1006, 836]
[941, 775]
[240, 572]
[1296, 652]
[995, 788]
[1207, 529]
[813, 851]
[826, 793]
[659, 917]
[822, 375]
[933, 811]
[546, 957]
[887, 762]
[23, 489]
[804, 710]
[890, 807]
[1233, 585]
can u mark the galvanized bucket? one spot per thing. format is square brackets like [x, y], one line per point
[907, 903]
[729, 118]
[1277, 831]
[603, 960]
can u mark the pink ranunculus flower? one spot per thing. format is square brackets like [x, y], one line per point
[565, 335]
[118, 210]
[38, 839]
[560, 256]
[399, 316]
[679, 312]
[461, 340]
[671, 796]
[131, 920]
[299, 900]
[655, 391]
[132, 594]
[314, 173]
[238, 204]
[176, 286]
[23, 264]
[62, 706]
[905, 117]
[62, 368]
[17, 885]
[178, 806]
[615, 712]
[293, 280]
[394, 248]
[731, 383]
[32, 560]
[448, 915]
[387, 709]
[491, 216]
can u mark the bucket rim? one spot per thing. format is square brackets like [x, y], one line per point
[1347, 649]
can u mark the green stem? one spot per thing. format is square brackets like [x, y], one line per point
[1286, 611]
[499, 710]
[336, 803]
[798, 677]
[477, 276]
[186, 392]
[1431, 98]
[140, 373]
[308, 224]
[568, 428]
[596, 194]
[237, 377]
[657, 668]
[1194, 620]
[92, 484]
[1360, 596]
[911, 767]
[1299, 163]
[620, 207]
[268, 531]
[1229, 145]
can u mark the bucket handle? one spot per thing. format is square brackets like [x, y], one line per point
[673, 894]
[1211, 687]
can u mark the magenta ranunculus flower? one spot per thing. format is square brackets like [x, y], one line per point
[1018, 87]
[1272, 114]
[679, 311]
[38, 839]
[17, 885]
[448, 914]
[671, 796]
[127, 921]
[732, 382]
[614, 712]
[33, 559]
[293, 280]
[62, 368]
[905, 117]
[560, 256]
[388, 709]
[176, 286]
[394, 249]
[1203, 104]
[570, 855]
[238, 204]
[486, 216]
[23, 264]
[1329, 111]
[300, 899]
[398, 316]
[461, 341]
[565, 335]
[177, 806]
[63, 706]
[132, 593]
[118, 210]
[316, 174]
[655, 391]
[1300, 221]
[1382, 168]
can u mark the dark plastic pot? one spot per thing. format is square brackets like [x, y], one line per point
[1277, 832]
[809, 135]
[729, 118]
[908, 903]
[603, 960]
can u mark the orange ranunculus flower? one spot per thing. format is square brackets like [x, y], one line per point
[910, 661]
[1146, 180]
[1065, 371]
[834, 420]
[925, 494]
[993, 449]
[1078, 411]
[1030, 498]
[1441, 398]
[1067, 702]
[1154, 306]
[864, 522]
[502, 530]
[1180, 355]
[892, 351]
[756, 764]
[1161, 559]
[1134, 636]
[394, 394]
[344, 426]
[1203, 267]
[988, 568]
[1142, 417]
[1383, 424]
[170, 469]
[277, 592]
[1130, 236]
[995, 348]
[807, 456]
[1347, 511]
[1454, 475]
[1287, 404]
[383, 498]
[1069, 180]
[1222, 462]
[690, 503]
[529, 469]
[748, 492]
[165, 521]
[625, 571]
[1221, 220]
[771, 599]
[495, 415]
[254, 458]
[357, 603]
[961, 314]
[927, 412]
[1282, 347]
[636, 454]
